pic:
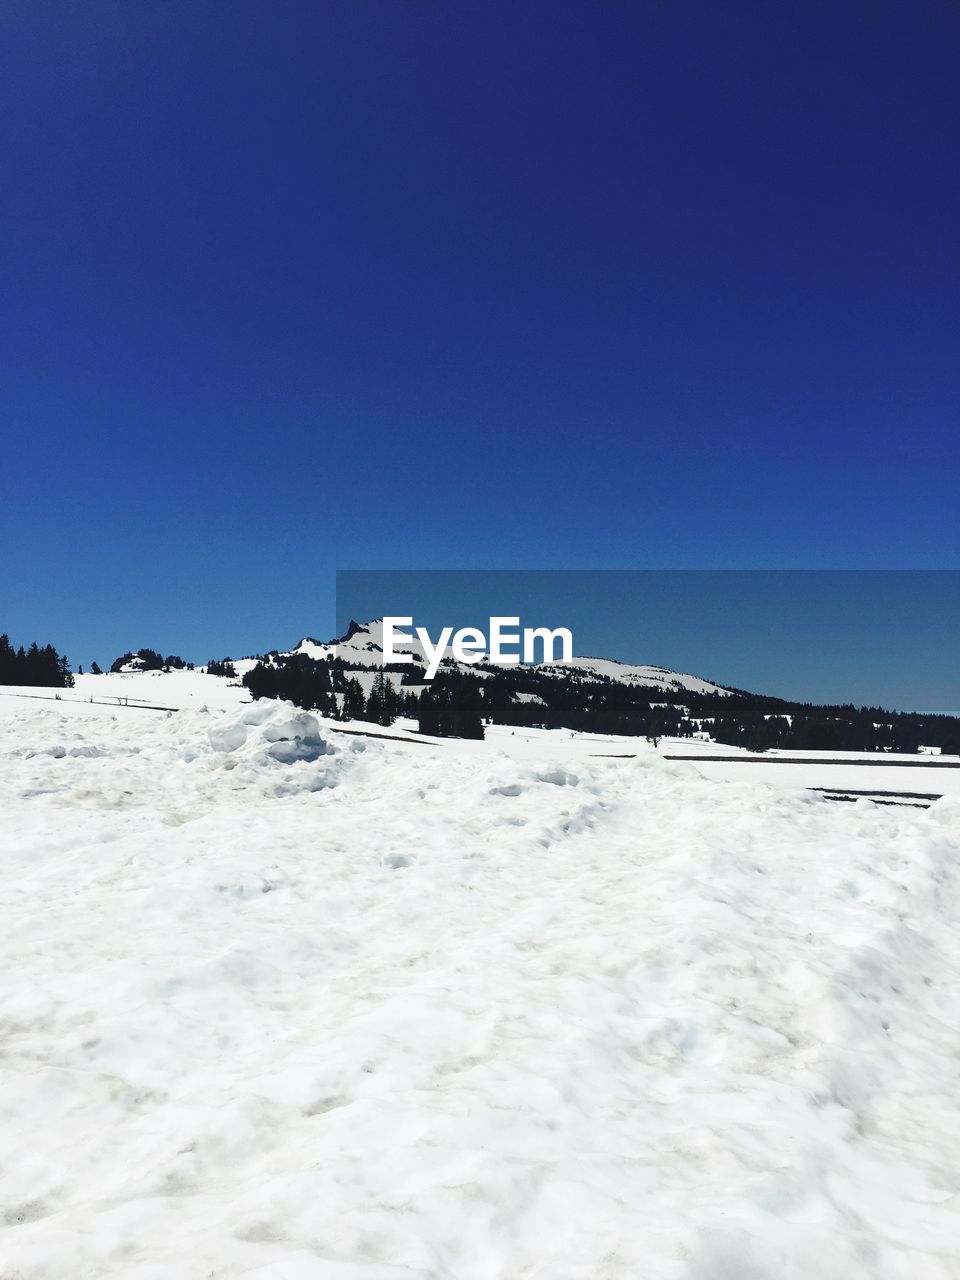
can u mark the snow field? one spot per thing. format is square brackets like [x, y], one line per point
[290, 1006]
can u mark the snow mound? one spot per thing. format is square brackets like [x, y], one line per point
[277, 730]
[946, 810]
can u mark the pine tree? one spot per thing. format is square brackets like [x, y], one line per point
[380, 703]
[452, 707]
[224, 668]
[8, 661]
[297, 678]
[34, 666]
[354, 703]
[427, 713]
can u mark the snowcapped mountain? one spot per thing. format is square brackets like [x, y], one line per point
[362, 646]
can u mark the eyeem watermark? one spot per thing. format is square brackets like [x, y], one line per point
[501, 646]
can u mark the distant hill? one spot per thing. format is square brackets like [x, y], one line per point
[362, 647]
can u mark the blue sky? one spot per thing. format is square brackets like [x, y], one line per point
[297, 287]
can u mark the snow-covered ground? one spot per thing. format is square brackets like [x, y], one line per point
[282, 1004]
[887, 775]
[179, 689]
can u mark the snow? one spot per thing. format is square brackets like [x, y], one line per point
[634, 674]
[285, 1004]
[177, 689]
[919, 774]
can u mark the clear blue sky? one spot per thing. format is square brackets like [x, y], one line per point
[295, 287]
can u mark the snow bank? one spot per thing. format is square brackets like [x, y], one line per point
[276, 730]
[946, 811]
[477, 1011]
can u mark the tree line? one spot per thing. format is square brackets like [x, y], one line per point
[147, 660]
[34, 666]
[460, 704]
[152, 660]
[740, 719]
[451, 707]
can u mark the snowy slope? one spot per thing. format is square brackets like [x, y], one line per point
[632, 673]
[176, 689]
[286, 1006]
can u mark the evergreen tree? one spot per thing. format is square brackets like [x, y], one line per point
[428, 718]
[354, 703]
[34, 666]
[224, 668]
[8, 661]
[381, 702]
[452, 707]
[297, 678]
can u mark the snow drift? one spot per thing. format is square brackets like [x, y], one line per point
[292, 1008]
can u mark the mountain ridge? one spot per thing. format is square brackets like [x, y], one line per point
[362, 645]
